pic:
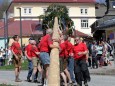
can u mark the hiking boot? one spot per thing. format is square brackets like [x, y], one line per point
[36, 81]
[85, 84]
[28, 80]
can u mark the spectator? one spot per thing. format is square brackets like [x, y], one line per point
[106, 53]
[99, 54]
[9, 56]
[1, 58]
[94, 55]
[4, 56]
[1, 49]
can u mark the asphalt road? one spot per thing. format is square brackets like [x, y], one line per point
[7, 77]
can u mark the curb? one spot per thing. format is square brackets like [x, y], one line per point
[103, 72]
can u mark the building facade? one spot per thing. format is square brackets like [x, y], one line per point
[82, 12]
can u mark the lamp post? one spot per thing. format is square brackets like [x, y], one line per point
[20, 25]
[4, 27]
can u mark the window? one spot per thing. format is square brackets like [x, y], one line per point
[84, 11]
[27, 11]
[84, 23]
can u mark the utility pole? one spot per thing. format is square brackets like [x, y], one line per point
[108, 5]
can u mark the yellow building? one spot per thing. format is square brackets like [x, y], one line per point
[82, 12]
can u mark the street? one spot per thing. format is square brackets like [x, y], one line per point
[7, 77]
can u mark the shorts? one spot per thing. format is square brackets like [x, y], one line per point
[63, 64]
[35, 61]
[45, 58]
[17, 63]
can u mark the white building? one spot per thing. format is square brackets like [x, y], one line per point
[82, 12]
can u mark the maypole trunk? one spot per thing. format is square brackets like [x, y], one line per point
[54, 69]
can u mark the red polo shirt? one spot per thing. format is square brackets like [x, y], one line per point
[63, 51]
[81, 47]
[34, 49]
[28, 49]
[69, 47]
[16, 48]
[45, 43]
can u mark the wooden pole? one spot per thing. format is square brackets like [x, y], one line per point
[54, 69]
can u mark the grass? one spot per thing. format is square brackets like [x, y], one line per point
[6, 85]
[11, 67]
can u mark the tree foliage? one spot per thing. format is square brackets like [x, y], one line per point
[61, 12]
[3, 7]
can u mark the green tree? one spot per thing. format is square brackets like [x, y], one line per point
[60, 11]
[3, 7]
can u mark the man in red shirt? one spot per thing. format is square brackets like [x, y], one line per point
[69, 48]
[29, 58]
[35, 60]
[17, 55]
[45, 46]
[81, 69]
[63, 60]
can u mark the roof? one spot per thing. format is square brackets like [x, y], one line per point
[81, 34]
[1, 24]
[27, 29]
[55, 1]
[106, 24]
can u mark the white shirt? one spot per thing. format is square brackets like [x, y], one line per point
[1, 55]
[99, 49]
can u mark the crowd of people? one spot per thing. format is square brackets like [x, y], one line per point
[74, 59]
[5, 54]
[101, 53]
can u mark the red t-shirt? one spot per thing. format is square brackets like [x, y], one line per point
[44, 43]
[33, 50]
[69, 47]
[28, 49]
[63, 51]
[16, 48]
[81, 47]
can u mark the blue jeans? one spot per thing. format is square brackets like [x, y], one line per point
[45, 58]
[30, 70]
[71, 67]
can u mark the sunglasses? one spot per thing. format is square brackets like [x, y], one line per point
[76, 39]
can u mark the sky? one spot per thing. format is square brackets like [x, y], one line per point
[101, 1]
[1, 1]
